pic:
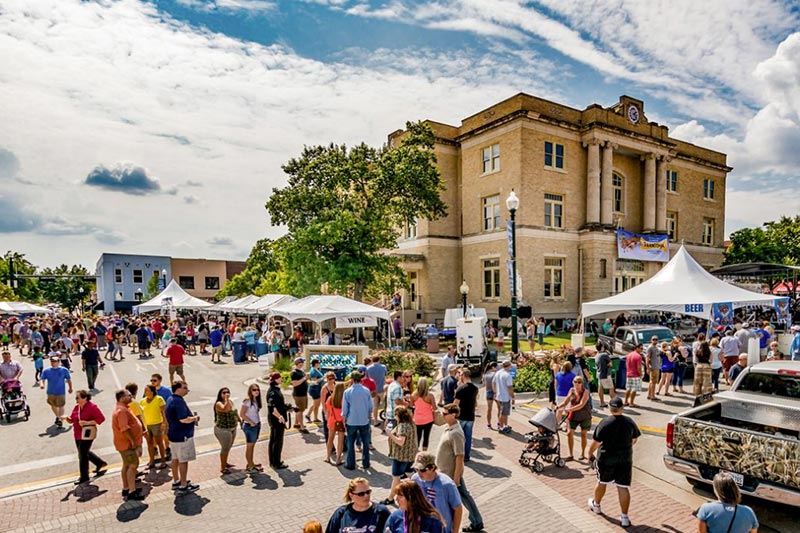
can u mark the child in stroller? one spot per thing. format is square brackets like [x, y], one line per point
[543, 444]
[13, 400]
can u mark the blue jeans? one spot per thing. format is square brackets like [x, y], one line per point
[365, 434]
[677, 377]
[475, 518]
[466, 426]
[715, 372]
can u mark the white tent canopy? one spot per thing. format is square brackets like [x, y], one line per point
[238, 305]
[180, 300]
[19, 308]
[326, 307]
[267, 302]
[682, 286]
[218, 306]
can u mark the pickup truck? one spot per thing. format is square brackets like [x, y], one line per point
[751, 431]
[625, 338]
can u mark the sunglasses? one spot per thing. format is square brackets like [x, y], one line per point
[226, 392]
[429, 467]
[153, 381]
[362, 493]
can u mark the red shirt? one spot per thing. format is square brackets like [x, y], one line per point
[89, 411]
[634, 365]
[157, 326]
[370, 384]
[175, 354]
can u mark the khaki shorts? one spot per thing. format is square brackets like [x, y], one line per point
[184, 451]
[654, 375]
[131, 457]
[56, 400]
[607, 383]
[176, 368]
[301, 402]
[155, 430]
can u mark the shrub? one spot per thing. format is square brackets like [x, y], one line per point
[421, 364]
[534, 373]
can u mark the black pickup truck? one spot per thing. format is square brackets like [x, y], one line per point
[625, 339]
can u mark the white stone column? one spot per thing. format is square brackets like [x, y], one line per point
[649, 193]
[593, 182]
[606, 192]
[661, 194]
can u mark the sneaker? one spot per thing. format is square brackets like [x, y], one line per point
[135, 496]
[594, 507]
[624, 521]
[190, 487]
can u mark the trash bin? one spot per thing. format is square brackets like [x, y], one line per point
[492, 358]
[239, 351]
[261, 348]
[432, 340]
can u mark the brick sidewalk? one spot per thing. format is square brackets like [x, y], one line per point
[511, 498]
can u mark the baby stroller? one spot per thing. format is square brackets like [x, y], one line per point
[13, 400]
[544, 443]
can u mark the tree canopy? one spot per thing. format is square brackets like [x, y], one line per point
[344, 206]
[27, 289]
[776, 242]
[264, 271]
[69, 293]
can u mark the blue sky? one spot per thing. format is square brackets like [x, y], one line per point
[160, 126]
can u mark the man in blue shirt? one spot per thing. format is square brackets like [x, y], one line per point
[356, 412]
[180, 432]
[215, 337]
[794, 351]
[161, 390]
[377, 372]
[439, 490]
[58, 380]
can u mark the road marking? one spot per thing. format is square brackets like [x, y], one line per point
[116, 377]
[646, 429]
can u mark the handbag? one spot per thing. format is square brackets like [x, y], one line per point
[87, 432]
[338, 425]
[438, 418]
[735, 508]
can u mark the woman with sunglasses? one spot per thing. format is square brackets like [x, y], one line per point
[155, 420]
[277, 412]
[250, 415]
[336, 427]
[86, 415]
[225, 420]
[415, 513]
[358, 513]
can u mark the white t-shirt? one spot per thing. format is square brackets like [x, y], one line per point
[502, 381]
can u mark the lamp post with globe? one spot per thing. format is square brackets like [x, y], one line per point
[464, 292]
[512, 203]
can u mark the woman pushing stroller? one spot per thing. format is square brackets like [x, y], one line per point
[579, 414]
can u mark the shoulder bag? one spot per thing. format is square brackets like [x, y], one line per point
[735, 508]
[87, 432]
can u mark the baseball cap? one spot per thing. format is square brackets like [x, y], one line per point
[55, 358]
[299, 360]
[361, 368]
[615, 403]
[423, 460]
[274, 376]
[452, 367]
[506, 364]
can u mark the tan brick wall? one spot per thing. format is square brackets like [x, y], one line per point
[199, 269]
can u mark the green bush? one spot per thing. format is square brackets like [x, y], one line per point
[532, 378]
[421, 364]
[282, 364]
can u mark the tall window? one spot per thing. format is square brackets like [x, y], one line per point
[672, 225]
[186, 282]
[618, 188]
[212, 283]
[117, 275]
[553, 155]
[708, 189]
[491, 158]
[491, 212]
[138, 276]
[672, 180]
[410, 231]
[491, 278]
[553, 210]
[412, 290]
[708, 231]
[553, 277]
[627, 274]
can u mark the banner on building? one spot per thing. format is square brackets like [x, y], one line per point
[784, 310]
[344, 322]
[722, 313]
[642, 247]
[510, 237]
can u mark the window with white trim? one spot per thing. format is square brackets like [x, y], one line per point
[708, 231]
[410, 230]
[628, 273]
[491, 212]
[553, 155]
[672, 180]
[491, 158]
[553, 277]
[708, 189]
[553, 210]
[491, 278]
[117, 275]
[618, 190]
[672, 225]
[138, 276]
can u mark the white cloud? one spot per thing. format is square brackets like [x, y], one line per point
[250, 6]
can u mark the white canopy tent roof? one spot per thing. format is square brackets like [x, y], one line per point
[238, 305]
[267, 302]
[19, 308]
[180, 300]
[218, 306]
[325, 307]
[682, 286]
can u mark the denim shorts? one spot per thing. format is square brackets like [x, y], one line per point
[251, 432]
[400, 467]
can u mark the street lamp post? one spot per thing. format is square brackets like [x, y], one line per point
[163, 278]
[139, 294]
[512, 203]
[464, 292]
[80, 304]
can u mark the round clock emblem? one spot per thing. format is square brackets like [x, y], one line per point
[633, 114]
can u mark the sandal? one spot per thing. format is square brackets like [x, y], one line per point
[570, 458]
[225, 471]
[582, 458]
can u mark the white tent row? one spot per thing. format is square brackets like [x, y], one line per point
[237, 305]
[681, 286]
[174, 296]
[20, 308]
[265, 303]
[319, 308]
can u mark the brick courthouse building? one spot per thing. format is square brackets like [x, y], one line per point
[579, 175]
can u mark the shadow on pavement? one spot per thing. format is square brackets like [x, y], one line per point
[55, 431]
[190, 504]
[262, 481]
[84, 493]
[484, 443]
[130, 511]
[486, 470]
[292, 478]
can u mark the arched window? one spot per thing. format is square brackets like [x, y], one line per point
[618, 187]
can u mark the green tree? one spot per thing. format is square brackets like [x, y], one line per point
[69, 293]
[343, 208]
[152, 287]
[27, 289]
[777, 242]
[6, 294]
[264, 271]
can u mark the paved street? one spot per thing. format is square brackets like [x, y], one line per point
[37, 494]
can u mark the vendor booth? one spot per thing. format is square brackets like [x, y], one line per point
[173, 297]
[23, 308]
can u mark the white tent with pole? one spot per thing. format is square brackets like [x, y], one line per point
[238, 306]
[681, 286]
[173, 296]
[20, 308]
[263, 304]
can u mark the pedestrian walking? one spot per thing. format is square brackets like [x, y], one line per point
[315, 381]
[59, 382]
[277, 414]
[155, 423]
[90, 364]
[727, 514]
[448, 385]
[175, 353]
[439, 490]
[325, 394]
[128, 442]
[356, 412]
[358, 513]
[702, 383]
[503, 385]
[250, 415]
[667, 368]
[180, 431]
[424, 404]
[634, 362]
[487, 380]
[10, 369]
[613, 440]
[299, 393]
[653, 363]
[225, 421]
[336, 427]
[85, 418]
[467, 401]
[377, 371]
[402, 448]
[38, 365]
[394, 398]
[579, 414]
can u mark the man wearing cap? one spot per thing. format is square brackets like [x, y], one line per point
[356, 412]
[653, 361]
[450, 461]
[731, 348]
[300, 392]
[613, 441]
[503, 385]
[175, 353]
[737, 368]
[794, 350]
[56, 376]
[449, 385]
[439, 490]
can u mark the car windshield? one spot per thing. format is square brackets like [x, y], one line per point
[771, 384]
[663, 335]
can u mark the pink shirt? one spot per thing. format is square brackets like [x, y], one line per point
[633, 364]
[423, 412]
[89, 411]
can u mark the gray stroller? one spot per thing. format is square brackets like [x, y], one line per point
[543, 444]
